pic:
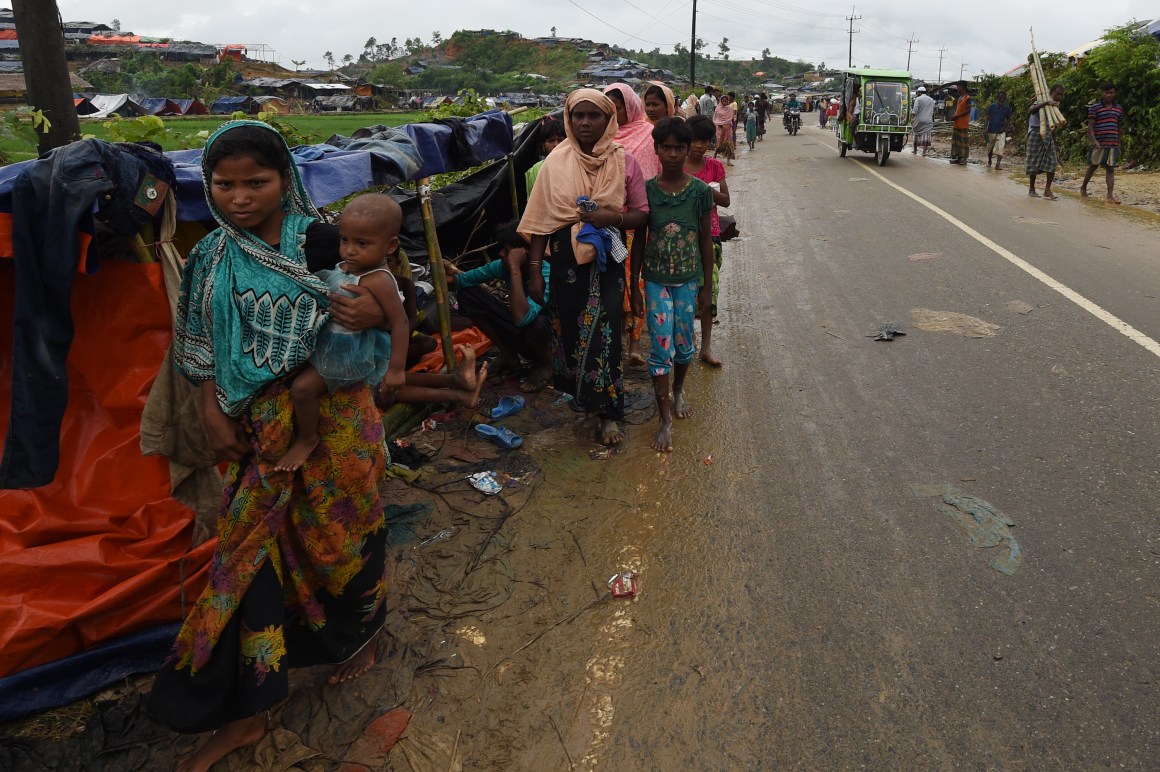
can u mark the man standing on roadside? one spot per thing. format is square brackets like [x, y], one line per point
[960, 136]
[707, 104]
[922, 121]
[1105, 120]
[998, 124]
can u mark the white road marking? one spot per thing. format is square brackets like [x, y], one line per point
[1106, 317]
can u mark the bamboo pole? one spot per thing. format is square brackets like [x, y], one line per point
[1051, 117]
[511, 170]
[438, 274]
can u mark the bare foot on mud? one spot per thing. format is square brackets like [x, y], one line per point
[360, 663]
[708, 358]
[234, 735]
[681, 408]
[635, 356]
[609, 433]
[537, 379]
[1083, 193]
[663, 442]
[299, 451]
[1032, 194]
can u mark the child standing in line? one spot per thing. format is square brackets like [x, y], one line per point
[673, 252]
[368, 232]
[551, 134]
[711, 172]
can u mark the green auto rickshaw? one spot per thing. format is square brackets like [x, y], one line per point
[880, 103]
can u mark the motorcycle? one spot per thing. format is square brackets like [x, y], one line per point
[792, 120]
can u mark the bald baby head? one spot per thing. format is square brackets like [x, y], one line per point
[377, 207]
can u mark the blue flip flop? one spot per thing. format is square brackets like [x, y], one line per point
[500, 435]
[508, 405]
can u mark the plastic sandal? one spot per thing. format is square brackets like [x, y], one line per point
[500, 435]
[508, 405]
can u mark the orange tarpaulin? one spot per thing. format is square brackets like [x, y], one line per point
[100, 552]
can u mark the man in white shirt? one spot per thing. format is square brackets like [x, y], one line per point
[922, 119]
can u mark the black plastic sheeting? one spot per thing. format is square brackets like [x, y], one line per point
[467, 211]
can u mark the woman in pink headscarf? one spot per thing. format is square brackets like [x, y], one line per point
[723, 118]
[635, 135]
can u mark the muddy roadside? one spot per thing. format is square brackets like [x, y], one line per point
[480, 580]
[1134, 187]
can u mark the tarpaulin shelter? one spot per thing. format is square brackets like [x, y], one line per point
[272, 104]
[190, 106]
[95, 556]
[160, 106]
[84, 106]
[228, 105]
[328, 104]
[115, 104]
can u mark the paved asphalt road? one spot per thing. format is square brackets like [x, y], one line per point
[824, 594]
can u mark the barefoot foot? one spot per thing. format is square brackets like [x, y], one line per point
[1083, 193]
[360, 663]
[234, 735]
[299, 451]
[609, 433]
[635, 355]
[537, 379]
[708, 358]
[681, 408]
[469, 397]
[663, 442]
[465, 374]
[1032, 194]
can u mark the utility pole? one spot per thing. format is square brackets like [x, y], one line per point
[693, 50]
[962, 68]
[852, 18]
[46, 69]
[910, 49]
[941, 51]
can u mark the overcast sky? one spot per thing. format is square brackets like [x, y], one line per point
[978, 36]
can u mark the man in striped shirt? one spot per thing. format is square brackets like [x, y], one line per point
[1105, 119]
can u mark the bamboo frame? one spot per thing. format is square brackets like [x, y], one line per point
[438, 273]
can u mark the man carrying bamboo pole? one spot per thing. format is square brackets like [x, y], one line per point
[1105, 119]
[1042, 157]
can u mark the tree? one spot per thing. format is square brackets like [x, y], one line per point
[553, 32]
[347, 59]
[329, 57]
[723, 47]
[436, 39]
[297, 63]
[46, 70]
[116, 25]
[765, 54]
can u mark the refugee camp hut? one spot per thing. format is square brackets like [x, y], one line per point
[342, 104]
[228, 105]
[191, 106]
[13, 89]
[186, 51]
[160, 106]
[315, 89]
[272, 104]
[115, 104]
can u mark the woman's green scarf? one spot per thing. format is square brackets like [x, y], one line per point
[248, 313]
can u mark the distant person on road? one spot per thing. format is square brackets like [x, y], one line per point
[1105, 120]
[922, 121]
[751, 125]
[763, 112]
[822, 106]
[1042, 157]
[707, 103]
[999, 116]
[961, 126]
[673, 253]
[723, 118]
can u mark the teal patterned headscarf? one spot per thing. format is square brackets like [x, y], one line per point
[248, 312]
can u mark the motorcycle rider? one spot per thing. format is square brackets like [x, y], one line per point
[791, 103]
